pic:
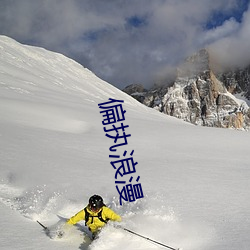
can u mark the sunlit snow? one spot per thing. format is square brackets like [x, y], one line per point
[54, 155]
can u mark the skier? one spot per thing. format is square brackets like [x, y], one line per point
[95, 214]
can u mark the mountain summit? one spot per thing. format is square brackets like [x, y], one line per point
[201, 96]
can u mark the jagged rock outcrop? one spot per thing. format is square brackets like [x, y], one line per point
[201, 97]
[237, 81]
[137, 91]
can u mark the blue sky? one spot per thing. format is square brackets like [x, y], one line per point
[132, 41]
[218, 17]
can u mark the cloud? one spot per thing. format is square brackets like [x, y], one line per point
[125, 42]
[233, 49]
[228, 28]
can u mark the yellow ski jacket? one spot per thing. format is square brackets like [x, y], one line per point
[94, 223]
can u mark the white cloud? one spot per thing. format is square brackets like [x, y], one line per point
[228, 28]
[233, 50]
[97, 32]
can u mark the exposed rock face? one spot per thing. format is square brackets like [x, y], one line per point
[199, 97]
[137, 91]
[237, 81]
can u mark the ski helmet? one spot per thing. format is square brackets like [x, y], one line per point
[95, 202]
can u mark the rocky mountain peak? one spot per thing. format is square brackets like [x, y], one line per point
[196, 64]
[200, 96]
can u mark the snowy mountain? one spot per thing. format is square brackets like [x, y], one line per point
[201, 95]
[55, 155]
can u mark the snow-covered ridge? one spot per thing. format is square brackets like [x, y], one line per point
[35, 68]
[32, 74]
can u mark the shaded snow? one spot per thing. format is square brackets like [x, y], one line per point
[54, 155]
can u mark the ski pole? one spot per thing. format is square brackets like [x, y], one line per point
[159, 243]
[45, 228]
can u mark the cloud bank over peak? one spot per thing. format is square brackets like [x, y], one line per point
[127, 42]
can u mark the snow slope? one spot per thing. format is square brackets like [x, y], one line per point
[54, 155]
